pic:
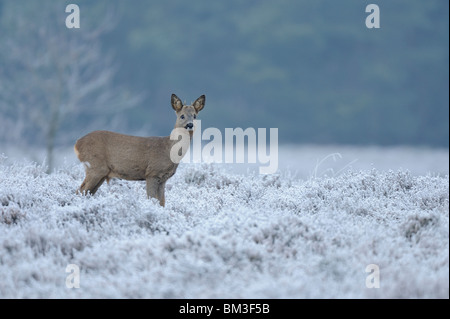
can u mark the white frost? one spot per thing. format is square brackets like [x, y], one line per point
[224, 235]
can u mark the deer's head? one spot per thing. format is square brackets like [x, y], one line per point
[186, 114]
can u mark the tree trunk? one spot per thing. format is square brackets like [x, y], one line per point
[51, 136]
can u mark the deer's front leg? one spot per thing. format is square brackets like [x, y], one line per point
[152, 187]
[161, 195]
[155, 189]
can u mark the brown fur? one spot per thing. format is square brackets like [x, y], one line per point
[113, 155]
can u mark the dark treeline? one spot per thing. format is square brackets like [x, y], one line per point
[311, 68]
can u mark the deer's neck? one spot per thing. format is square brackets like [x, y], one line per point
[176, 143]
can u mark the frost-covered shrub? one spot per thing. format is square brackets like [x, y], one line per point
[10, 215]
[224, 235]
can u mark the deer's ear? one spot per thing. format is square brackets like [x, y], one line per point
[199, 103]
[176, 103]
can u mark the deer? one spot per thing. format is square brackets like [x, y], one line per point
[109, 155]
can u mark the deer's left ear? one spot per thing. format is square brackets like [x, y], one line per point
[176, 103]
[199, 103]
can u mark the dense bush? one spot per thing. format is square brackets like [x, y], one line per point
[224, 235]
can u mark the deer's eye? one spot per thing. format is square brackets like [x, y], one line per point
[182, 117]
[195, 116]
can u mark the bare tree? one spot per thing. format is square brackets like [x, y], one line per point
[52, 76]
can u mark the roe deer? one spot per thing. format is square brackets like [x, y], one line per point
[107, 154]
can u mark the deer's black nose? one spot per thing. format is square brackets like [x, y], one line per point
[190, 125]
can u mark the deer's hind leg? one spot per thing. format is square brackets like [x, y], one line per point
[94, 179]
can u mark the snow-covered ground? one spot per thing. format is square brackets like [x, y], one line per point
[225, 233]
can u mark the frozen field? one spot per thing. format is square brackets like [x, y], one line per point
[308, 232]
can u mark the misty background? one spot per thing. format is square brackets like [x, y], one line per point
[312, 69]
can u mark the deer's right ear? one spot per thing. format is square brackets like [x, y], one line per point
[176, 103]
[199, 104]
